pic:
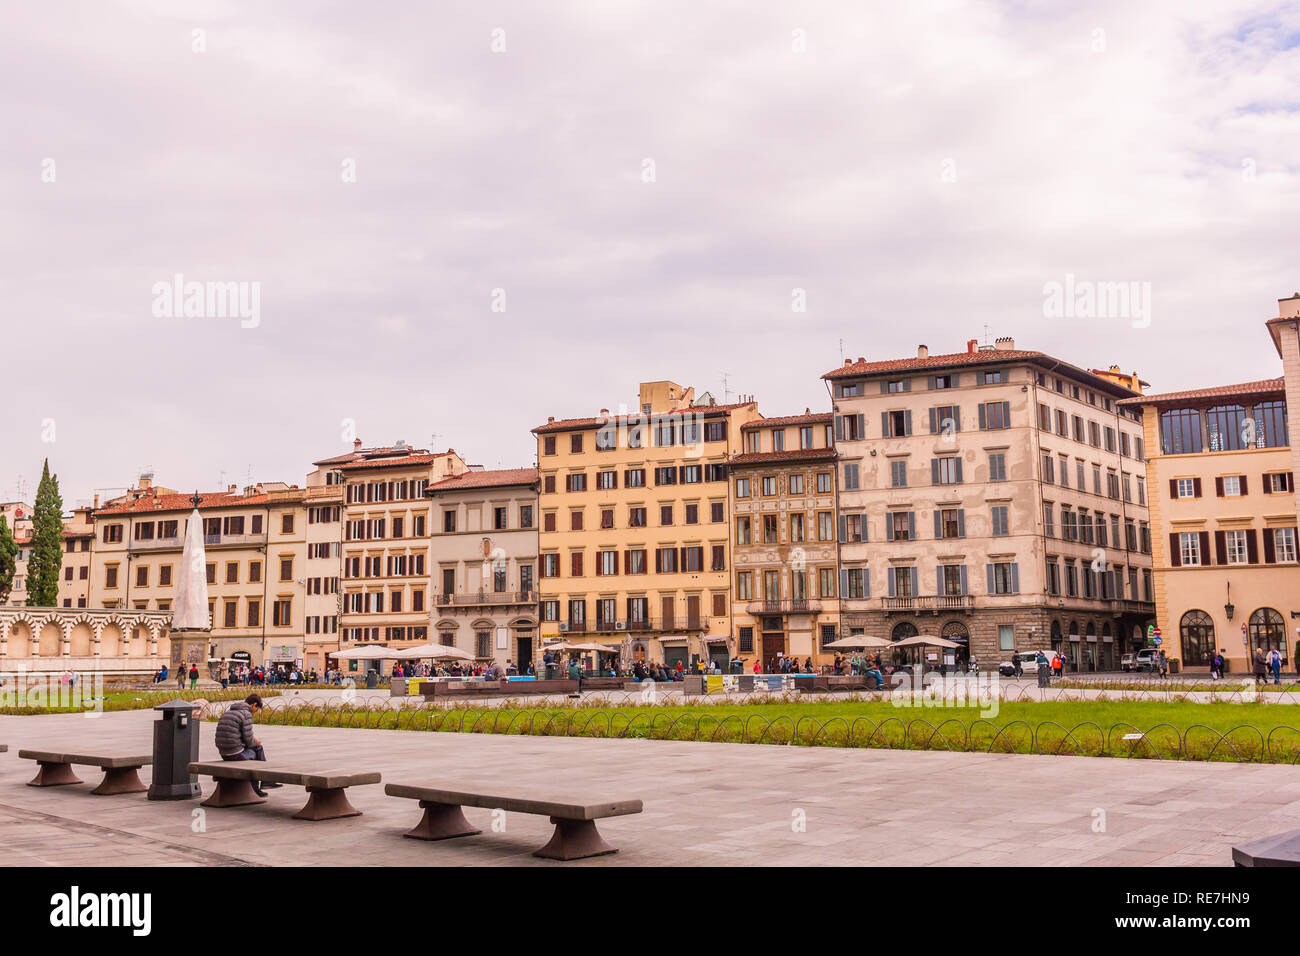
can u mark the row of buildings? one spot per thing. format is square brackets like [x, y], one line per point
[998, 497]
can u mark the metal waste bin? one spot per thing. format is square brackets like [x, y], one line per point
[175, 747]
[1044, 676]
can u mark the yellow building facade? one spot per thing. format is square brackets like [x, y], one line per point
[634, 547]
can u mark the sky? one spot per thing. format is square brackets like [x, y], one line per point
[460, 218]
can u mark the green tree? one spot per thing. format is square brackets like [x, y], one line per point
[8, 560]
[47, 543]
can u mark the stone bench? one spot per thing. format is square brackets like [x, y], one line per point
[121, 773]
[575, 836]
[1281, 849]
[326, 796]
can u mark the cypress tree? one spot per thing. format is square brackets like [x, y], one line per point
[47, 543]
[8, 560]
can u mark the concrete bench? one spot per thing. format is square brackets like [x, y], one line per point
[121, 773]
[575, 836]
[326, 797]
[1281, 849]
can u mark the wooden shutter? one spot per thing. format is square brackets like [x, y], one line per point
[938, 581]
[889, 526]
[1220, 547]
[1218, 487]
[890, 574]
[911, 525]
[844, 529]
[1242, 479]
[1173, 488]
[1269, 555]
[961, 522]
[884, 425]
[839, 428]
[1015, 577]
[1205, 546]
[844, 582]
[934, 471]
[938, 525]
[934, 419]
[907, 422]
[965, 584]
[1196, 487]
[1252, 547]
[991, 584]
[983, 416]
[957, 463]
[862, 426]
[1175, 552]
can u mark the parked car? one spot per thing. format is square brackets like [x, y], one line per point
[1143, 660]
[1028, 663]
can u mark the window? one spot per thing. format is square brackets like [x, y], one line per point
[1189, 547]
[743, 530]
[805, 436]
[1049, 469]
[634, 561]
[1229, 486]
[525, 517]
[164, 576]
[606, 480]
[141, 575]
[855, 583]
[797, 527]
[692, 514]
[795, 483]
[1234, 543]
[548, 521]
[548, 445]
[997, 376]
[901, 526]
[636, 518]
[1004, 578]
[1186, 488]
[853, 528]
[576, 481]
[945, 471]
[665, 515]
[997, 466]
[949, 523]
[770, 529]
[851, 477]
[778, 439]
[897, 424]
[634, 478]
[282, 612]
[1180, 431]
[742, 488]
[286, 523]
[769, 486]
[1277, 483]
[1049, 528]
[745, 585]
[575, 520]
[898, 473]
[717, 512]
[945, 420]
[951, 579]
[1001, 523]
[254, 612]
[823, 483]
[1284, 544]
[575, 444]
[994, 415]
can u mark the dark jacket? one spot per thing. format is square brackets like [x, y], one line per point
[235, 729]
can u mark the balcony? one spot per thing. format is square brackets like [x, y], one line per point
[1128, 606]
[486, 598]
[158, 544]
[931, 604]
[234, 540]
[788, 606]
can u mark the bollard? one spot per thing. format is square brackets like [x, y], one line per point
[175, 747]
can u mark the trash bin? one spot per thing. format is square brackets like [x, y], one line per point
[175, 747]
[1044, 676]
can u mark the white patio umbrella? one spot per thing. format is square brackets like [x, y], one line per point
[441, 652]
[858, 642]
[366, 654]
[922, 640]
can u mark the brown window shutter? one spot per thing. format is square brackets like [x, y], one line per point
[616, 562]
[1242, 478]
[1205, 547]
[1252, 547]
[1196, 489]
[1269, 555]
[1175, 555]
[659, 561]
[626, 560]
[1220, 548]
[1173, 488]
[1218, 487]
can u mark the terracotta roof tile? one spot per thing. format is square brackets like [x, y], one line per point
[793, 454]
[1267, 386]
[419, 457]
[356, 454]
[954, 359]
[570, 424]
[486, 479]
[149, 503]
[808, 418]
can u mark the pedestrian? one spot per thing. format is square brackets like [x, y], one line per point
[234, 736]
[1017, 667]
[223, 673]
[1275, 665]
[181, 673]
[194, 676]
[1259, 666]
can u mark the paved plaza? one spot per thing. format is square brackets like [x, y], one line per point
[716, 804]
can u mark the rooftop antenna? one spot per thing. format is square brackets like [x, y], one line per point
[726, 392]
[433, 444]
[841, 351]
[986, 333]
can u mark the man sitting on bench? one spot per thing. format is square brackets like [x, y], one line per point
[234, 737]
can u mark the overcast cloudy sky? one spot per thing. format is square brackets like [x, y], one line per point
[920, 170]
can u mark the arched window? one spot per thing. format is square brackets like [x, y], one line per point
[903, 629]
[1197, 632]
[1056, 635]
[1268, 632]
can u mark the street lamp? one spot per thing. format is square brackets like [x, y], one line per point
[1229, 607]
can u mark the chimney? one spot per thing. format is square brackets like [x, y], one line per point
[604, 411]
[922, 351]
[356, 444]
[848, 362]
[146, 482]
[550, 419]
[233, 488]
[1289, 308]
[96, 502]
[1005, 342]
[970, 346]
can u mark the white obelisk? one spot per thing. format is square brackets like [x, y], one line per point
[191, 625]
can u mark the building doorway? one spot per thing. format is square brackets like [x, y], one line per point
[523, 652]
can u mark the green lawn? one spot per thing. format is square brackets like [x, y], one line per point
[134, 700]
[1220, 731]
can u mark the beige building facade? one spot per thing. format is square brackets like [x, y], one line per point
[995, 497]
[255, 545]
[385, 574]
[785, 550]
[635, 540]
[483, 564]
